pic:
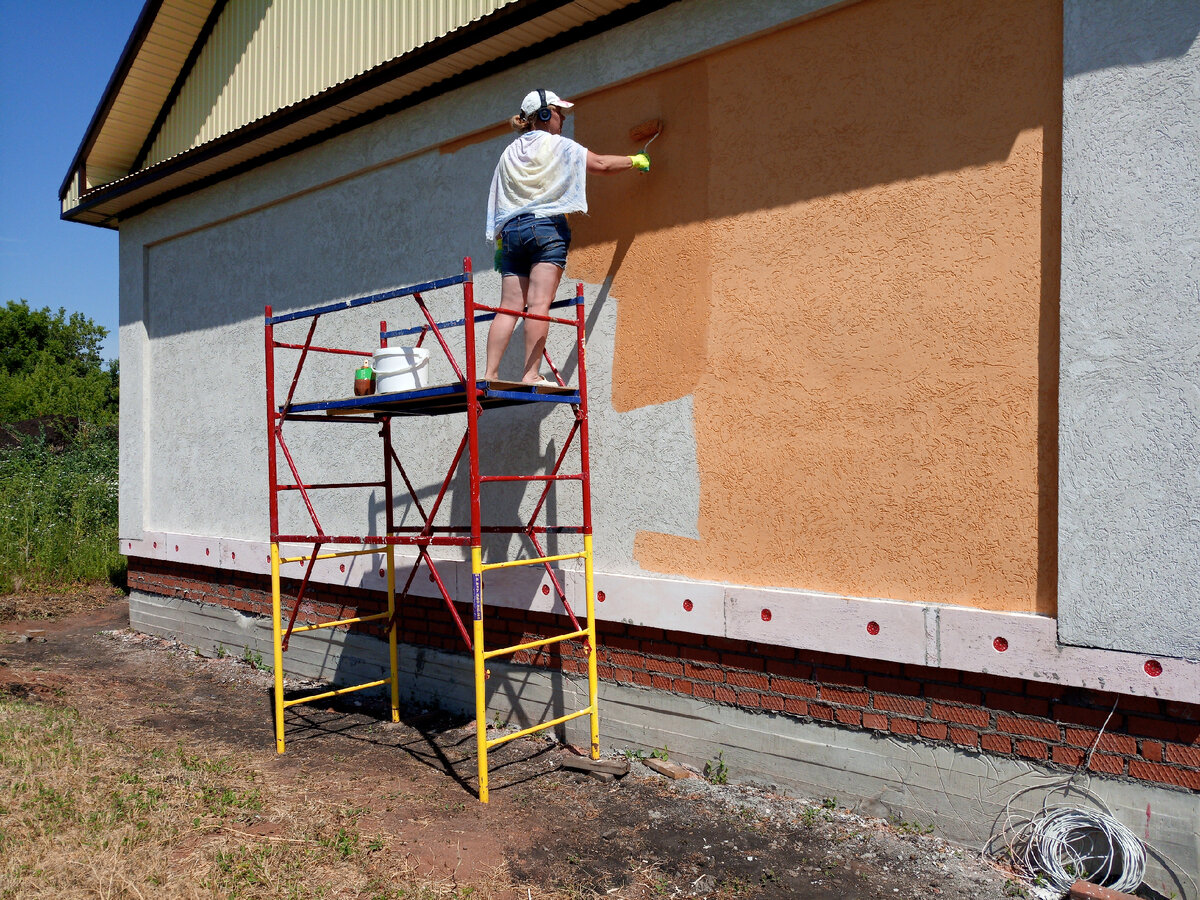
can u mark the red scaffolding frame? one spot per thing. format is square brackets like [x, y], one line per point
[468, 396]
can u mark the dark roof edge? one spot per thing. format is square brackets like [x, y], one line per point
[142, 28]
[368, 79]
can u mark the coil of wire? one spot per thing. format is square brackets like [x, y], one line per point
[1064, 844]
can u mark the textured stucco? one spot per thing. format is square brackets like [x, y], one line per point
[848, 261]
[1129, 552]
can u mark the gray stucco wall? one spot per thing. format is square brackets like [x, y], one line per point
[379, 207]
[1129, 541]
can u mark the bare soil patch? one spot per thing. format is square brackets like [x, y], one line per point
[374, 809]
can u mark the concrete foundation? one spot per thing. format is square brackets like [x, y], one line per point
[962, 794]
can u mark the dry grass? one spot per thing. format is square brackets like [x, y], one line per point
[90, 812]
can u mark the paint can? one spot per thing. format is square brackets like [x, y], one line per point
[400, 369]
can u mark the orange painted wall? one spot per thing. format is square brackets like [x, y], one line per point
[847, 254]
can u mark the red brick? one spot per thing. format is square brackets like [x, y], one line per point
[1188, 712]
[1152, 750]
[795, 707]
[622, 675]
[662, 682]
[960, 715]
[906, 705]
[818, 658]
[1109, 765]
[848, 716]
[788, 669]
[968, 737]
[874, 720]
[928, 674]
[754, 680]
[628, 660]
[1067, 756]
[703, 690]
[903, 686]
[1153, 728]
[903, 726]
[1026, 706]
[682, 686]
[993, 682]
[749, 699]
[1082, 715]
[700, 655]
[934, 730]
[772, 650]
[820, 711]
[1033, 749]
[685, 637]
[665, 666]
[645, 633]
[622, 643]
[840, 676]
[1186, 778]
[1185, 756]
[1151, 706]
[723, 694]
[730, 644]
[1113, 743]
[879, 667]
[1030, 727]
[740, 661]
[704, 673]
[1043, 689]
[770, 701]
[996, 743]
[795, 688]
[952, 693]
[847, 697]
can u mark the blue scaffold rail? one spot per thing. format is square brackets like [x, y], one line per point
[458, 323]
[368, 299]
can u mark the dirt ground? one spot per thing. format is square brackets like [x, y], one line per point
[547, 831]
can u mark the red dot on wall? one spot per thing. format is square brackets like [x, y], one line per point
[872, 628]
[1153, 668]
[1001, 644]
[206, 552]
[381, 572]
[156, 545]
[176, 548]
[687, 605]
[545, 588]
[766, 615]
[342, 567]
[600, 596]
[131, 545]
[234, 556]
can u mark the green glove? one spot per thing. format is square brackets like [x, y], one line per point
[641, 162]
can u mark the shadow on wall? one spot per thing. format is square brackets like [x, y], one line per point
[847, 252]
[1109, 35]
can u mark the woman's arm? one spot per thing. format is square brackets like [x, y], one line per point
[607, 165]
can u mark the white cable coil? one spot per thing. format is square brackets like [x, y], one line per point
[1064, 844]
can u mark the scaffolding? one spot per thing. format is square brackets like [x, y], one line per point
[468, 396]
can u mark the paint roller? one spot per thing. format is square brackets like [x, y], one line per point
[646, 130]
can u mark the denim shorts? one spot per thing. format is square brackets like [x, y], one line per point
[528, 239]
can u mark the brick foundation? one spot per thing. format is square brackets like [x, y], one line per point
[1147, 739]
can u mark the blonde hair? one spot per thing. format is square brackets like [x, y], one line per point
[520, 123]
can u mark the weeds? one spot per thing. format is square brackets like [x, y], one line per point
[58, 512]
[716, 771]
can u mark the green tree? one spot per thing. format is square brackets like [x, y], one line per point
[50, 365]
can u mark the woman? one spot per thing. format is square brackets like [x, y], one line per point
[540, 178]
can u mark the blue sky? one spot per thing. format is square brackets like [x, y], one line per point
[56, 57]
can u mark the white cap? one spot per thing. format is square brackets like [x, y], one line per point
[533, 102]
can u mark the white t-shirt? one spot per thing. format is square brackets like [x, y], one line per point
[538, 173]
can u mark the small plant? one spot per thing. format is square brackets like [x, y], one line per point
[254, 660]
[829, 803]
[716, 771]
[221, 651]
[809, 817]
[660, 753]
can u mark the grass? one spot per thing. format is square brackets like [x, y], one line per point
[86, 811]
[58, 513]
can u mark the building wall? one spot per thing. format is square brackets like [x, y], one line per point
[1129, 552]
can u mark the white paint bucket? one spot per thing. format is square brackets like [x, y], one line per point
[400, 369]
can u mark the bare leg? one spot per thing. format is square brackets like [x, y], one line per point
[543, 285]
[513, 291]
